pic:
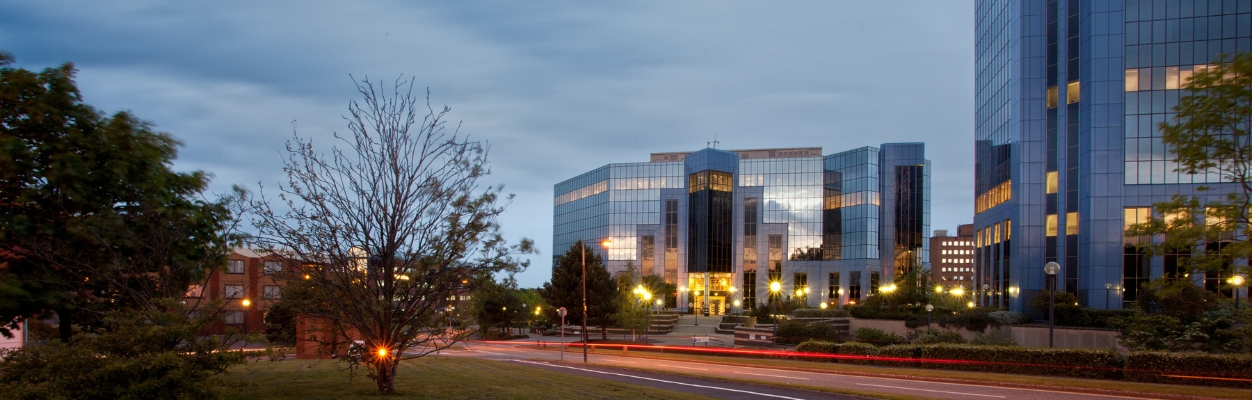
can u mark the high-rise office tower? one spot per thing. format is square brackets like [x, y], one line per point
[1069, 94]
[723, 225]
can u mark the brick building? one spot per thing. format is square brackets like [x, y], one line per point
[952, 257]
[249, 286]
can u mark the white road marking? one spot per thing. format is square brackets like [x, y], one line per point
[679, 366]
[620, 361]
[775, 376]
[935, 391]
[662, 380]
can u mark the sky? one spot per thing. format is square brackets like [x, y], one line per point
[555, 88]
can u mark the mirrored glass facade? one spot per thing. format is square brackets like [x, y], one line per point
[723, 225]
[1069, 95]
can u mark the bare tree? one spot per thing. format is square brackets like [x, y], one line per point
[394, 220]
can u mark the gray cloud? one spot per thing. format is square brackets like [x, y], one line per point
[557, 88]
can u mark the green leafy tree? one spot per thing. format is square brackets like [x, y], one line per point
[632, 309]
[497, 306]
[139, 354]
[94, 219]
[1211, 133]
[566, 289]
[659, 288]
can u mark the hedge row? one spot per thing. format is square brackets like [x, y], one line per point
[1233, 370]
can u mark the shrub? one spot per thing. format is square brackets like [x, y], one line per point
[973, 321]
[993, 338]
[935, 337]
[1068, 312]
[912, 351]
[799, 331]
[877, 337]
[1080, 363]
[1101, 318]
[1158, 366]
[820, 313]
[816, 346]
[1002, 318]
[856, 349]
[139, 355]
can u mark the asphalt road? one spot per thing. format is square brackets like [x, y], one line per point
[656, 373]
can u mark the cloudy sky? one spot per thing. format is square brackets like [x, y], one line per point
[556, 88]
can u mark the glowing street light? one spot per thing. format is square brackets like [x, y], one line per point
[1237, 281]
[775, 287]
[958, 291]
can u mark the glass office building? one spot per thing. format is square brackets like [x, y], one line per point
[1068, 154]
[723, 225]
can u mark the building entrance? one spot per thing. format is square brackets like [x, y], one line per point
[716, 305]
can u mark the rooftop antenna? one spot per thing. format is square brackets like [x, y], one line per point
[712, 144]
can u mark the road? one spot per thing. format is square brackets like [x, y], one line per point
[655, 373]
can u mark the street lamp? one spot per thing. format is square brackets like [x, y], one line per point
[647, 297]
[583, 249]
[245, 303]
[1051, 268]
[776, 288]
[986, 292]
[1237, 281]
[929, 308]
[1108, 288]
[732, 290]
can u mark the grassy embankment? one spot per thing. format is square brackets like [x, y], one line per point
[426, 378]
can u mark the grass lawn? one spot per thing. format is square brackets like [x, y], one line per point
[973, 377]
[428, 377]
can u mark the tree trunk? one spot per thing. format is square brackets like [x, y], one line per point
[386, 377]
[65, 328]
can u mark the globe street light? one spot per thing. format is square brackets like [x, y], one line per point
[1051, 268]
[1108, 288]
[776, 289]
[929, 308]
[1237, 281]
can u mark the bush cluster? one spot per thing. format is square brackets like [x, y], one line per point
[794, 332]
[820, 313]
[877, 337]
[1171, 367]
[1161, 367]
[915, 316]
[1082, 363]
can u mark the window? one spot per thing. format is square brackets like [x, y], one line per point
[1132, 80]
[271, 292]
[1050, 225]
[233, 317]
[1052, 183]
[273, 267]
[1071, 223]
[233, 292]
[195, 291]
[234, 267]
[1071, 93]
[1052, 97]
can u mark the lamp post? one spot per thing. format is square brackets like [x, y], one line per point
[776, 289]
[1237, 281]
[647, 297]
[986, 292]
[732, 290]
[561, 311]
[929, 308]
[247, 303]
[1108, 288]
[583, 249]
[1051, 268]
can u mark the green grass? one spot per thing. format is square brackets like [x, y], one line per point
[425, 378]
[1059, 383]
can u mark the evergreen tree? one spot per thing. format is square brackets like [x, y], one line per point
[566, 290]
